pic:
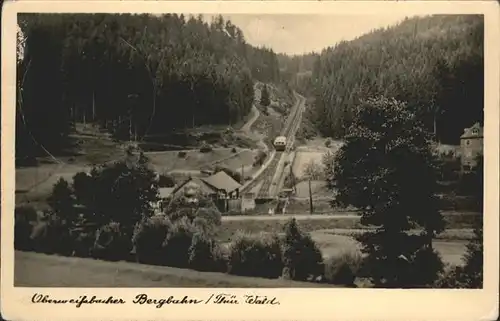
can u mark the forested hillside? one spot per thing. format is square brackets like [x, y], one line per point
[296, 70]
[153, 74]
[434, 63]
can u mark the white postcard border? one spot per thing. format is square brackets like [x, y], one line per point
[308, 304]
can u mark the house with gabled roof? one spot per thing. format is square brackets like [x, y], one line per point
[220, 187]
[471, 145]
[189, 183]
[223, 184]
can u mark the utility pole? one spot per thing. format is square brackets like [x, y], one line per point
[130, 129]
[93, 106]
[311, 209]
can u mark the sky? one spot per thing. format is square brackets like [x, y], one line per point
[298, 34]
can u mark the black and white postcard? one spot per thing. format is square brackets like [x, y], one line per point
[262, 160]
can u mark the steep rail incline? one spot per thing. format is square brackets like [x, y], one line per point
[289, 131]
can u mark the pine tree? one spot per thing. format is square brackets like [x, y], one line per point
[264, 98]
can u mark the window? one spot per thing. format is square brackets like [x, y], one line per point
[467, 142]
[475, 131]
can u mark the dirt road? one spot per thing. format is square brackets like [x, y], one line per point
[344, 215]
[255, 114]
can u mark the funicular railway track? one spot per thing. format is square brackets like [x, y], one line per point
[289, 130]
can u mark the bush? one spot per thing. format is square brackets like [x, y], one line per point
[471, 274]
[205, 254]
[290, 180]
[301, 255]
[83, 187]
[212, 216]
[453, 277]
[149, 238]
[41, 238]
[61, 200]
[181, 212]
[233, 150]
[265, 99]
[448, 170]
[467, 184]
[111, 243]
[255, 255]
[26, 213]
[83, 242]
[25, 216]
[259, 158]
[182, 154]
[178, 241]
[51, 236]
[426, 266]
[206, 148]
[166, 181]
[342, 268]
[328, 143]
[202, 225]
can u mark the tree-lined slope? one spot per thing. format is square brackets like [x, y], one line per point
[433, 63]
[153, 74]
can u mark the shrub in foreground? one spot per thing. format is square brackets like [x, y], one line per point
[148, 239]
[25, 216]
[471, 274]
[342, 268]
[178, 242]
[111, 243]
[301, 256]
[211, 214]
[205, 254]
[456, 277]
[51, 235]
[83, 242]
[425, 268]
[255, 255]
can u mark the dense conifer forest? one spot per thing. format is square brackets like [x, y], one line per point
[164, 73]
[433, 63]
[153, 74]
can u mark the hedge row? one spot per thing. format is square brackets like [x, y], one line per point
[186, 243]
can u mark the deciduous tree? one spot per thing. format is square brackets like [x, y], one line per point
[385, 169]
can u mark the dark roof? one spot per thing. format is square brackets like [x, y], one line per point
[222, 181]
[205, 189]
[475, 131]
